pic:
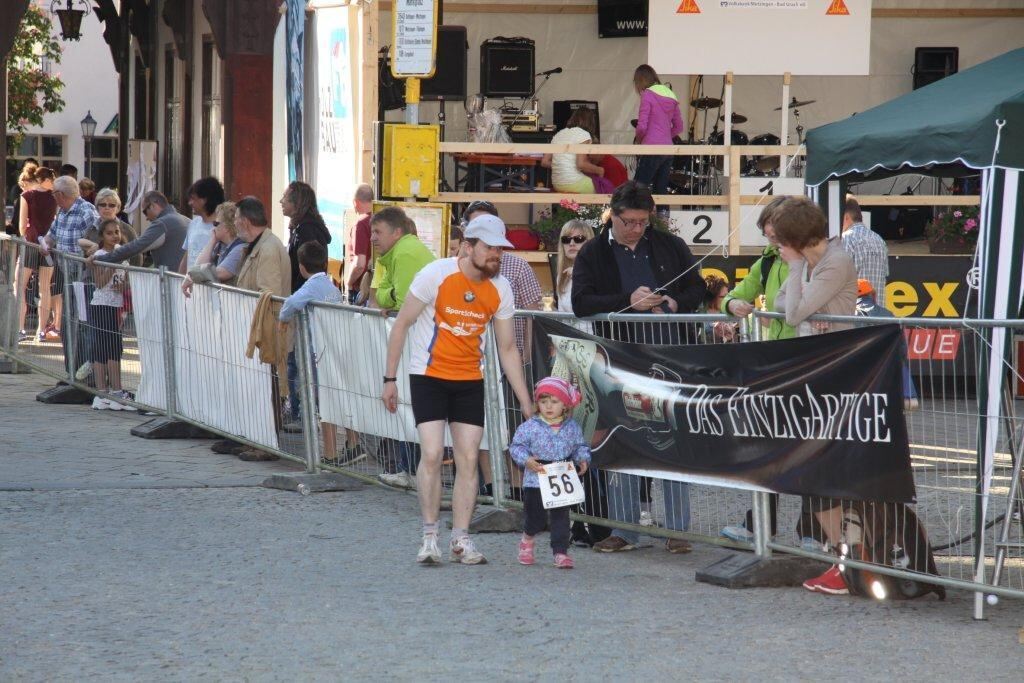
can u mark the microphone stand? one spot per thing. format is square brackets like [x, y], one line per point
[522, 105]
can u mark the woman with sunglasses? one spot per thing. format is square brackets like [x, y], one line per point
[574, 233]
[108, 205]
[222, 257]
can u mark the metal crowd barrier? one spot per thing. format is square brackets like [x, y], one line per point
[184, 358]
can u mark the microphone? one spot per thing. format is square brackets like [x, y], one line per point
[556, 70]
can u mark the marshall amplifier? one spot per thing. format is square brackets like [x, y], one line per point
[507, 67]
[565, 108]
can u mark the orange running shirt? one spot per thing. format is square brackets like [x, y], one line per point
[447, 338]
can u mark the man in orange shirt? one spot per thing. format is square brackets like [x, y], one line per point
[447, 310]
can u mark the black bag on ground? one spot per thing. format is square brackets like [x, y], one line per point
[888, 534]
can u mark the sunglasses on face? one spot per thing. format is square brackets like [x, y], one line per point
[578, 239]
[106, 206]
[216, 224]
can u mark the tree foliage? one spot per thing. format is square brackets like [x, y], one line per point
[32, 92]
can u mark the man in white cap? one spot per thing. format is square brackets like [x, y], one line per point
[447, 309]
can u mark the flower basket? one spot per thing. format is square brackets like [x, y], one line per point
[949, 246]
[550, 223]
[954, 231]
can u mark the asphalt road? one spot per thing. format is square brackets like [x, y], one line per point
[125, 559]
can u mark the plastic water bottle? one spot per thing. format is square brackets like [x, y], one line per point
[303, 489]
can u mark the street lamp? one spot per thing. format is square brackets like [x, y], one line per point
[88, 130]
[70, 17]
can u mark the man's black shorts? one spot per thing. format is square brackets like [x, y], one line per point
[448, 400]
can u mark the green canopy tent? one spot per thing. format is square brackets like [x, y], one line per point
[969, 122]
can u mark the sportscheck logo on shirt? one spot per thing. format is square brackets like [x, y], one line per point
[469, 314]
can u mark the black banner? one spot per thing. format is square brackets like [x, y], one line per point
[818, 415]
[621, 18]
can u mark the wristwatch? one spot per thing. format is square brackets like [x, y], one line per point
[389, 379]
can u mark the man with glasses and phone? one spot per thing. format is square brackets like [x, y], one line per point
[631, 267]
[163, 238]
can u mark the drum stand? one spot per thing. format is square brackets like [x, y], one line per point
[798, 162]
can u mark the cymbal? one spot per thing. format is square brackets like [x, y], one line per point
[706, 103]
[797, 103]
[736, 118]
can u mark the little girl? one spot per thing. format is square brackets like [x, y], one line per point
[549, 436]
[105, 347]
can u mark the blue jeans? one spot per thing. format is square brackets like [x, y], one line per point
[909, 390]
[408, 457]
[293, 387]
[624, 503]
[653, 172]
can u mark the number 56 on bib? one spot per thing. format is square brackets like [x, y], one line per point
[560, 485]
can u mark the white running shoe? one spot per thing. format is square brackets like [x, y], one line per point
[101, 404]
[401, 480]
[463, 550]
[738, 533]
[429, 552]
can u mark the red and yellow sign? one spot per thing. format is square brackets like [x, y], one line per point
[837, 7]
[688, 7]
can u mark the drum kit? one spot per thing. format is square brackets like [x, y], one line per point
[700, 175]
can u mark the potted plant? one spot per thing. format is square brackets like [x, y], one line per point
[954, 231]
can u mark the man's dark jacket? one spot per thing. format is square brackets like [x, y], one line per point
[597, 287]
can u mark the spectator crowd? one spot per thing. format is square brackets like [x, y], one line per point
[627, 265]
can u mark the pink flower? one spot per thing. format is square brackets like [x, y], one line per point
[958, 214]
[565, 203]
[970, 224]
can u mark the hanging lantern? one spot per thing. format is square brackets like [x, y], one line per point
[70, 17]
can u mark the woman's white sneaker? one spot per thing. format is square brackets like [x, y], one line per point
[101, 404]
[127, 397]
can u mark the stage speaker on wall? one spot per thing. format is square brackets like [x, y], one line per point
[507, 67]
[449, 80]
[565, 108]
[934, 63]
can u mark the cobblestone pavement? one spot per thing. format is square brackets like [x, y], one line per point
[187, 570]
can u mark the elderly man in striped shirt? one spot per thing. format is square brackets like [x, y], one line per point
[867, 248]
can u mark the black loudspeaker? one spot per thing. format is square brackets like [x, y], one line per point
[507, 67]
[449, 80]
[565, 108]
[934, 63]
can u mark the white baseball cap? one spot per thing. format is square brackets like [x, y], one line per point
[488, 229]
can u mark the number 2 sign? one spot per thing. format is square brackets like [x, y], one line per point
[560, 485]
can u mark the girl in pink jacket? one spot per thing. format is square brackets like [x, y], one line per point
[658, 122]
